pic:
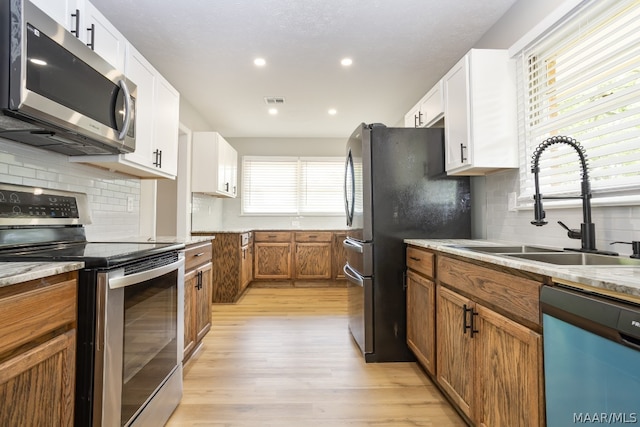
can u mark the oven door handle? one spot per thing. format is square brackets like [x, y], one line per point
[143, 276]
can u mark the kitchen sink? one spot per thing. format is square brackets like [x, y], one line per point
[509, 249]
[577, 258]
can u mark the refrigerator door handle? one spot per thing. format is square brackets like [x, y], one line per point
[349, 189]
[352, 276]
[353, 246]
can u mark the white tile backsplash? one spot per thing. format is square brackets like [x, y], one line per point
[612, 223]
[107, 191]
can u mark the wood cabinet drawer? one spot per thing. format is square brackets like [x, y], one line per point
[420, 260]
[197, 254]
[272, 236]
[507, 293]
[33, 309]
[313, 236]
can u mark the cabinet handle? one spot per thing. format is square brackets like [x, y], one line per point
[415, 259]
[235, 189]
[462, 157]
[313, 236]
[415, 120]
[419, 118]
[91, 44]
[272, 236]
[226, 187]
[473, 322]
[199, 254]
[158, 158]
[466, 325]
[76, 31]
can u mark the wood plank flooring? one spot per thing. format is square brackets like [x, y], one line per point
[284, 357]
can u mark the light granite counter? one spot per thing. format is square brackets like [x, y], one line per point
[621, 280]
[18, 272]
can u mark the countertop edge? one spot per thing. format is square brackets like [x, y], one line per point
[620, 280]
[18, 272]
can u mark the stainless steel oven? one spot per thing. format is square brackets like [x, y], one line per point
[139, 341]
[130, 307]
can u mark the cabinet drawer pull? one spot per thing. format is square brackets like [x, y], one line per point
[198, 254]
[272, 236]
[313, 236]
[462, 157]
[415, 258]
[76, 16]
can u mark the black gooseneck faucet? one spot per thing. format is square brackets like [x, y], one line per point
[587, 232]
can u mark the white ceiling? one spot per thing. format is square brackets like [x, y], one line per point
[206, 48]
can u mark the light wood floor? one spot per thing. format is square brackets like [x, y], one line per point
[284, 357]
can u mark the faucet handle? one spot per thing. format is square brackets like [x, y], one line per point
[635, 246]
[573, 233]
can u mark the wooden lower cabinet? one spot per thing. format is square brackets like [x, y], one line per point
[272, 260]
[509, 362]
[198, 289]
[37, 351]
[421, 317]
[456, 365]
[489, 365]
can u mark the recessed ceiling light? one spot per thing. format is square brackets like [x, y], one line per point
[346, 62]
[273, 111]
[260, 62]
[333, 111]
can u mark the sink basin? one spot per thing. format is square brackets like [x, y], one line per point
[509, 249]
[577, 258]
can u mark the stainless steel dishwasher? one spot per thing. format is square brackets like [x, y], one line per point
[591, 358]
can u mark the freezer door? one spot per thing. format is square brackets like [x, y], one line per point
[359, 256]
[360, 301]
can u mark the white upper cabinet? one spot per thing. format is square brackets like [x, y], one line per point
[214, 165]
[157, 125]
[64, 12]
[84, 21]
[428, 111]
[480, 114]
[101, 36]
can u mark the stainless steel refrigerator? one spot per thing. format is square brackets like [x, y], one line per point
[395, 188]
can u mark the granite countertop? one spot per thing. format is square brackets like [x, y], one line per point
[245, 230]
[623, 280]
[12, 273]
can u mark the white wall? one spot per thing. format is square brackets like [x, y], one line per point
[215, 214]
[107, 191]
[493, 219]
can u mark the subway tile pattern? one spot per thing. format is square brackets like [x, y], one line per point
[108, 192]
[613, 223]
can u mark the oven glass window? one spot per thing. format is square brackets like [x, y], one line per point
[588, 379]
[150, 350]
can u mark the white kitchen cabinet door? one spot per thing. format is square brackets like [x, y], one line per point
[156, 122]
[214, 165]
[432, 105]
[166, 122]
[64, 12]
[101, 36]
[480, 114]
[412, 117]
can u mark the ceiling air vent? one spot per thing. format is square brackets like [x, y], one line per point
[274, 100]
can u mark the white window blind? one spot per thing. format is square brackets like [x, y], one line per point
[292, 185]
[582, 80]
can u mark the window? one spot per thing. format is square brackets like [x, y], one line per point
[582, 80]
[292, 185]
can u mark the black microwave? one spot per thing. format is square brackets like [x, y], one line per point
[55, 92]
